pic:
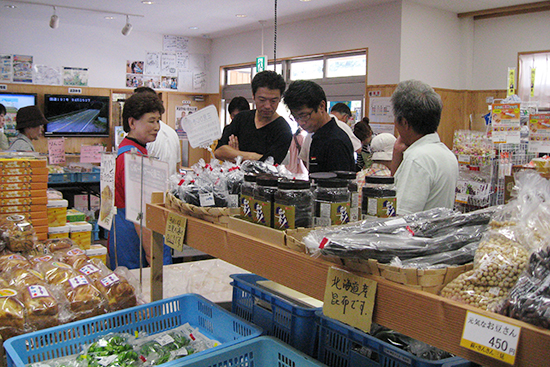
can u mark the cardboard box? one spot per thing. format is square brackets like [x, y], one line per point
[263, 233]
[22, 194]
[42, 186]
[42, 222]
[24, 201]
[97, 252]
[22, 171]
[57, 212]
[22, 163]
[74, 215]
[59, 232]
[81, 234]
[24, 178]
[26, 209]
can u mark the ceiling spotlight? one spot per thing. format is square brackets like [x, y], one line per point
[54, 20]
[194, 27]
[127, 27]
[10, 6]
[109, 17]
[240, 15]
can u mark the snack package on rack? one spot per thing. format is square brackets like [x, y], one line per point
[502, 255]
[420, 234]
[12, 313]
[18, 234]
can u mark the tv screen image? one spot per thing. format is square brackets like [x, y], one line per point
[75, 115]
[13, 102]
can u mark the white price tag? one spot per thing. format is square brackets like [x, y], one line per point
[38, 291]
[78, 281]
[464, 158]
[89, 269]
[491, 337]
[207, 199]
[164, 339]
[233, 201]
[462, 198]
[110, 280]
[182, 352]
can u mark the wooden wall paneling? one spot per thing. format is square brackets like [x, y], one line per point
[477, 106]
[453, 115]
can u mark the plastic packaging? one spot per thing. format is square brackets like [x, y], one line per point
[18, 234]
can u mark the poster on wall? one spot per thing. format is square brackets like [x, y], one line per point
[168, 64]
[134, 80]
[151, 81]
[75, 77]
[152, 63]
[171, 43]
[44, 74]
[181, 113]
[22, 69]
[539, 133]
[134, 67]
[505, 122]
[380, 110]
[6, 70]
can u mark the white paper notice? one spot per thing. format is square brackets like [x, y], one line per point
[152, 63]
[168, 64]
[107, 186]
[380, 109]
[155, 179]
[202, 127]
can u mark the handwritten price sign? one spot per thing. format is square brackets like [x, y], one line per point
[56, 150]
[174, 233]
[349, 298]
[91, 153]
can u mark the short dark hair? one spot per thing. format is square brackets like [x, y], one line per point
[304, 93]
[238, 103]
[268, 79]
[419, 104]
[362, 129]
[341, 108]
[138, 105]
[145, 90]
[2, 109]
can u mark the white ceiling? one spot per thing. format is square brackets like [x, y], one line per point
[214, 18]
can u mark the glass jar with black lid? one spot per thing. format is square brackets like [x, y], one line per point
[332, 202]
[351, 177]
[247, 197]
[264, 193]
[379, 197]
[293, 205]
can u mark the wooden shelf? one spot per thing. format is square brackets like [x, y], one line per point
[424, 316]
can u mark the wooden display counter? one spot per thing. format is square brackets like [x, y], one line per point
[427, 317]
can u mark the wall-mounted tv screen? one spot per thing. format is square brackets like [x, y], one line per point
[13, 102]
[76, 115]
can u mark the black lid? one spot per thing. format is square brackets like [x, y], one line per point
[250, 178]
[316, 176]
[266, 180]
[293, 184]
[332, 182]
[379, 179]
[348, 175]
[368, 191]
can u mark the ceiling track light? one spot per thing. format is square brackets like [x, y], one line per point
[127, 27]
[54, 20]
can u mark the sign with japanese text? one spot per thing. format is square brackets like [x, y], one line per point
[539, 133]
[91, 153]
[349, 298]
[107, 187]
[174, 234]
[505, 121]
[56, 150]
[491, 337]
[202, 127]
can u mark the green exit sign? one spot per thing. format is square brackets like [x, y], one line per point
[261, 63]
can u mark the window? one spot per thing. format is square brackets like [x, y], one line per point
[239, 76]
[306, 69]
[346, 66]
[540, 62]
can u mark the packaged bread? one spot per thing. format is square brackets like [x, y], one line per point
[94, 269]
[8, 262]
[56, 272]
[56, 244]
[18, 233]
[21, 278]
[73, 256]
[85, 300]
[12, 313]
[41, 305]
[117, 291]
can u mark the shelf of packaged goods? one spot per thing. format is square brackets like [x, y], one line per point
[424, 316]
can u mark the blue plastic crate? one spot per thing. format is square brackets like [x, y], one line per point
[278, 317]
[211, 320]
[264, 351]
[341, 345]
[61, 177]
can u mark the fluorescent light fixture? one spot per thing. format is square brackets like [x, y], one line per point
[194, 27]
[10, 6]
[54, 20]
[127, 27]
[240, 15]
[109, 17]
[146, 2]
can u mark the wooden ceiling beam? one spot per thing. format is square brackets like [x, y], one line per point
[507, 10]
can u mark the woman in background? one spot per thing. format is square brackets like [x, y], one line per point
[4, 145]
[29, 122]
[364, 133]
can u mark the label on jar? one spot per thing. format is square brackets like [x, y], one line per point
[285, 216]
[354, 202]
[232, 201]
[247, 207]
[382, 207]
[337, 213]
[262, 213]
[37, 291]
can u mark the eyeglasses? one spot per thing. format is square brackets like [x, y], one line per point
[304, 117]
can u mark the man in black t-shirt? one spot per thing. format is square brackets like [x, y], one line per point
[259, 133]
[331, 148]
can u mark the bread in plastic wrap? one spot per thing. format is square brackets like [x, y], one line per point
[56, 244]
[41, 305]
[74, 256]
[9, 262]
[12, 313]
[119, 293]
[18, 233]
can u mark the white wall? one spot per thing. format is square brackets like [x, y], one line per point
[497, 42]
[376, 28]
[430, 46]
[104, 51]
